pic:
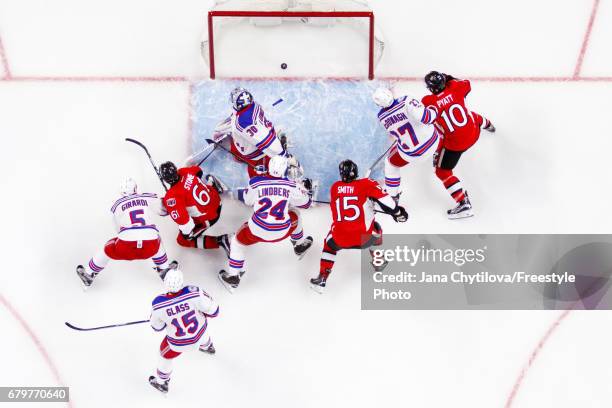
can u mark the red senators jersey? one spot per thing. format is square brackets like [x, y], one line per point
[191, 198]
[455, 121]
[352, 211]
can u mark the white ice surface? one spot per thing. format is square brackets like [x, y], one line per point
[546, 170]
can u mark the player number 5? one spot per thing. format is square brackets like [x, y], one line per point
[343, 206]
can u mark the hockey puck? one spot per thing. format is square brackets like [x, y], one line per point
[283, 66]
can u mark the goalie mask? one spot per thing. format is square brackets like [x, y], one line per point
[240, 98]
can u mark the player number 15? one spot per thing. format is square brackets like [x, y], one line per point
[343, 207]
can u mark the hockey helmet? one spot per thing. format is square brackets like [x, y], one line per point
[435, 82]
[277, 167]
[348, 171]
[128, 186]
[173, 281]
[169, 173]
[383, 97]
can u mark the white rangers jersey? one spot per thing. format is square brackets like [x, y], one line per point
[133, 214]
[184, 315]
[254, 135]
[271, 199]
[411, 124]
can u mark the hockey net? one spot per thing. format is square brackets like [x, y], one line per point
[281, 38]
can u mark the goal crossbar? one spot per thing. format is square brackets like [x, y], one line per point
[298, 14]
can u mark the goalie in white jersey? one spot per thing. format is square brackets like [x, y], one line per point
[253, 137]
[411, 125]
[137, 237]
[275, 200]
[183, 313]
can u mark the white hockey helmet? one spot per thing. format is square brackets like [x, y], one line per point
[383, 97]
[173, 281]
[277, 167]
[128, 186]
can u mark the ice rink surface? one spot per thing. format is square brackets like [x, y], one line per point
[76, 78]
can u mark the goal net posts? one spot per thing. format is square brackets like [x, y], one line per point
[292, 38]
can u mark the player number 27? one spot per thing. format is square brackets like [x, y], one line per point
[344, 207]
[190, 323]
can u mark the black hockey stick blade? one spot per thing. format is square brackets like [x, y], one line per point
[382, 156]
[104, 327]
[127, 139]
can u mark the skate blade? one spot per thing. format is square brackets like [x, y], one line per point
[317, 289]
[465, 214]
[226, 285]
[84, 286]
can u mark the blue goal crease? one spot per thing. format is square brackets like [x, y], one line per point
[325, 122]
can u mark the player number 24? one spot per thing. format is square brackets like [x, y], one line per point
[344, 207]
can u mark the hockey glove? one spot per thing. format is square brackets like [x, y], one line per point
[400, 214]
[195, 232]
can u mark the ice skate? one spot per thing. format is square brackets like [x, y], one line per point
[318, 284]
[381, 267]
[163, 271]
[86, 278]
[300, 249]
[216, 183]
[230, 282]
[396, 198]
[490, 128]
[162, 387]
[224, 243]
[462, 210]
[210, 349]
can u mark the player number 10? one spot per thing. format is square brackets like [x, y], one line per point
[455, 116]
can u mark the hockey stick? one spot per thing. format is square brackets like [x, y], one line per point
[382, 156]
[232, 153]
[127, 139]
[104, 327]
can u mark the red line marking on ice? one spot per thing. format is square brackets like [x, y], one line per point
[5, 64]
[193, 81]
[534, 354]
[36, 341]
[96, 79]
[585, 40]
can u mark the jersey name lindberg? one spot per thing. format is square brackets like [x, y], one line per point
[394, 119]
[273, 191]
[134, 203]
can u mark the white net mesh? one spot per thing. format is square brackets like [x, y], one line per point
[326, 30]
